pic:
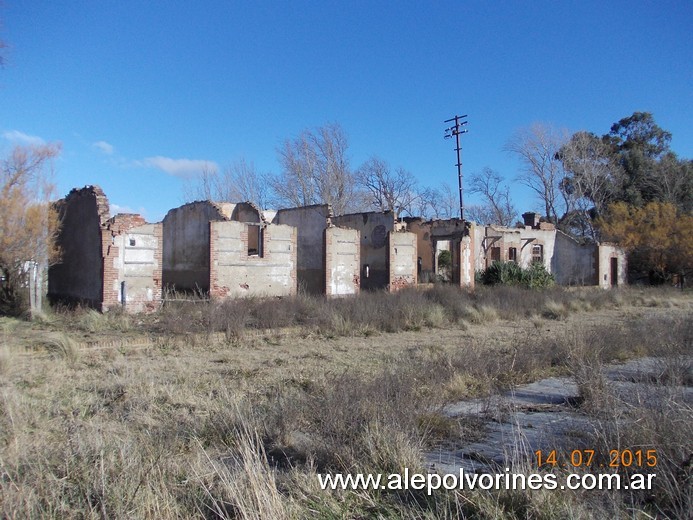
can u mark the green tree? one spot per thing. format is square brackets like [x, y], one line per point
[640, 133]
[592, 178]
[632, 164]
[651, 171]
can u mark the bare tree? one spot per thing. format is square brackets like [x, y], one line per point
[239, 181]
[315, 170]
[479, 214]
[387, 189]
[425, 203]
[497, 207]
[438, 203]
[542, 171]
[28, 221]
[202, 186]
[449, 202]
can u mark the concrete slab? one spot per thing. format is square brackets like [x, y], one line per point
[540, 415]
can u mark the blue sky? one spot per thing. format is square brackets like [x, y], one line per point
[142, 93]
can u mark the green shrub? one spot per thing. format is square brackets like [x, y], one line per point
[509, 273]
[537, 277]
[445, 259]
[502, 273]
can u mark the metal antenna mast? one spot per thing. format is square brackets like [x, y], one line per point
[456, 130]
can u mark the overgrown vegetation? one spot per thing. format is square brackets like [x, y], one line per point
[625, 186]
[445, 264]
[510, 273]
[229, 410]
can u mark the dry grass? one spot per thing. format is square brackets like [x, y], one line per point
[653, 415]
[229, 411]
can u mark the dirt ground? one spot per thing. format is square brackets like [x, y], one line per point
[95, 408]
[287, 355]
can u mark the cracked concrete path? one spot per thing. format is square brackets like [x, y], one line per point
[543, 415]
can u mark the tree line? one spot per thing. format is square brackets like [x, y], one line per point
[595, 188]
[626, 186]
[315, 169]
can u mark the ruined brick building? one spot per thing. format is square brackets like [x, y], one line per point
[106, 262]
[570, 262]
[227, 250]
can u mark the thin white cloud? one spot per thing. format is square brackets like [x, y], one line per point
[179, 167]
[104, 147]
[17, 137]
[115, 209]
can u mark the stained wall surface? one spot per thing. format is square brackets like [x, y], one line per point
[186, 244]
[573, 263]
[570, 262]
[78, 277]
[523, 240]
[186, 240]
[310, 223]
[458, 237]
[234, 272]
[373, 228]
[426, 252]
[612, 266]
[106, 262]
[342, 261]
[403, 260]
[133, 264]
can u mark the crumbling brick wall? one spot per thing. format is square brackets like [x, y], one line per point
[310, 223]
[132, 263]
[77, 278]
[403, 260]
[106, 262]
[234, 271]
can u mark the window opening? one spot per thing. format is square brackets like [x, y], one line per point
[538, 253]
[255, 240]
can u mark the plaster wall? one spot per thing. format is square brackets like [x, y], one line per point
[403, 259]
[570, 262]
[234, 273]
[138, 281]
[479, 252]
[375, 254]
[245, 212]
[458, 236]
[342, 261]
[573, 263]
[425, 250]
[311, 223]
[606, 254]
[186, 245]
[523, 240]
